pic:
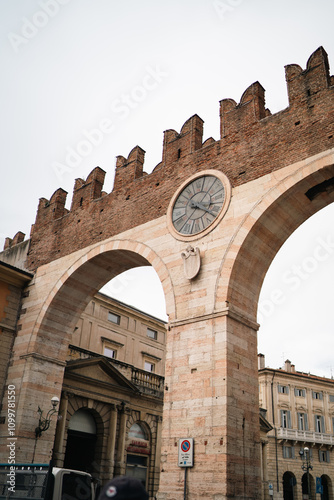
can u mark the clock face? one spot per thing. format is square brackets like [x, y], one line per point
[198, 205]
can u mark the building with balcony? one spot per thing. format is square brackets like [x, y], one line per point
[110, 412]
[297, 454]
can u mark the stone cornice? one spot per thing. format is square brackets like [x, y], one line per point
[41, 357]
[229, 311]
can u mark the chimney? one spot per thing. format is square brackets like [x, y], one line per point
[287, 366]
[260, 361]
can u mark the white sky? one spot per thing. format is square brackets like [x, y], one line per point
[143, 67]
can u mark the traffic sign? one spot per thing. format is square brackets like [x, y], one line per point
[186, 452]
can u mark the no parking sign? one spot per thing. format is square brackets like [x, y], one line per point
[186, 452]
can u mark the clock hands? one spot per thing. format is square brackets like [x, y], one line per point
[196, 204]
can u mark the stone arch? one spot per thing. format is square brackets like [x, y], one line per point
[308, 485]
[280, 211]
[78, 404]
[83, 278]
[136, 458]
[142, 424]
[148, 424]
[327, 487]
[289, 485]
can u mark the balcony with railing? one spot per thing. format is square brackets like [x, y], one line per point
[305, 436]
[151, 382]
[147, 382]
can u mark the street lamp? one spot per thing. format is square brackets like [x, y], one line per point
[305, 456]
[44, 422]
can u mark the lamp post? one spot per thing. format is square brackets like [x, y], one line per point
[305, 455]
[44, 422]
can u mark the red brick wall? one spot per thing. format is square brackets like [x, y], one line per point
[253, 143]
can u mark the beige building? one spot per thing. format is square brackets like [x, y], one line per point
[297, 454]
[111, 403]
[123, 333]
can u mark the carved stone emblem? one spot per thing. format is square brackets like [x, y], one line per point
[191, 262]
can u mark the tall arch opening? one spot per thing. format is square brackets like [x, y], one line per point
[269, 225]
[296, 299]
[92, 383]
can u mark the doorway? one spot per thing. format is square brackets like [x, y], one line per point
[81, 442]
[289, 483]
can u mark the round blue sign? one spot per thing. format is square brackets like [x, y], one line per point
[185, 446]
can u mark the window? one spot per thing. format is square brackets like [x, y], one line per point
[153, 334]
[324, 456]
[288, 452]
[114, 318]
[302, 421]
[316, 395]
[319, 423]
[111, 353]
[300, 393]
[149, 367]
[331, 398]
[137, 432]
[285, 419]
[283, 389]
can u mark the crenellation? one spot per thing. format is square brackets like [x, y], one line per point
[86, 191]
[303, 84]
[253, 143]
[49, 210]
[10, 242]
[236, 117]
[189, 140]
[127, 170]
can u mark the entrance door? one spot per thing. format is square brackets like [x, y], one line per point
[81, 441]
[80, 451]
[289, 482]
[325, 492]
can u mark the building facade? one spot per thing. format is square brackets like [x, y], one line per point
[110, 414]
[298, 452]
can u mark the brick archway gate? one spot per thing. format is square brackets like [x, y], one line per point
[280, 175]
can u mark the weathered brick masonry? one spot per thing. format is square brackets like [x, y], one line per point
[253, 143]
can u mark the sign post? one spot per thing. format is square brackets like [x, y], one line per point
[186, 458]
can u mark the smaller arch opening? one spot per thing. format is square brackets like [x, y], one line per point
[81, 441]
[289, 484]
[138, 453]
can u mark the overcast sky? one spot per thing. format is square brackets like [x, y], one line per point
[86, 80]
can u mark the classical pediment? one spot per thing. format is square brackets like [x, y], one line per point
[97, 371]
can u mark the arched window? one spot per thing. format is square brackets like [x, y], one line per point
[137, 432]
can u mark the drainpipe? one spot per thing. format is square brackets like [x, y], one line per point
[276, 445]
